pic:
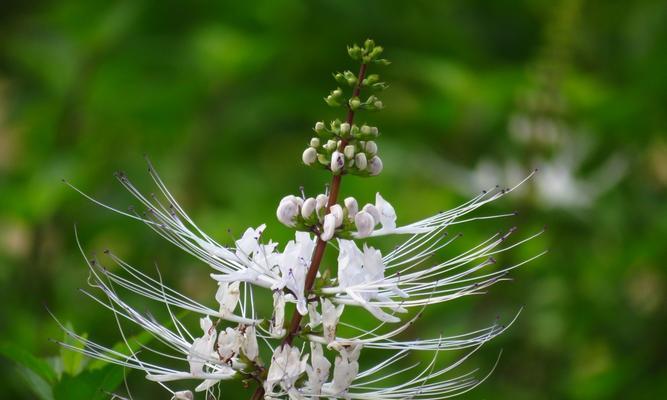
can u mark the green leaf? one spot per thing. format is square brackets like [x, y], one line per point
[73, 361]
[35, 383]
[32, 363]
[89, 384]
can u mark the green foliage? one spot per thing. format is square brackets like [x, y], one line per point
[220, 96]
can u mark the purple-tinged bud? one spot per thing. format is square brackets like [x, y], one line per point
[337, 211]
[352, 206]
[371, 148]
[337, 162]
[365, 223]
[375, 166]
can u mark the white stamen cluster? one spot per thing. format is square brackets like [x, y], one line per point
[322, 358]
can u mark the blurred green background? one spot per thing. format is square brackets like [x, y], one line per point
[222, 97]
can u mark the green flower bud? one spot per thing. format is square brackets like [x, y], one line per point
[378, 105]
[322, 159]
[354, 52]
[315, 142]
[331, 145]
[337, 93]
[369, 44]
[344, 128]
[371, 79]
[355, 103]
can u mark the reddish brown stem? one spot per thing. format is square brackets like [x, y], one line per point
[320, 247]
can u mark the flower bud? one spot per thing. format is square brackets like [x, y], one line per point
[315, 142]
[344, 128]
[331, 145]
[374, 131]
[337, 93]
[352, 206]
[378, 104]
[337, 211]
[308, 207]
[319, 127]
[328, 228]
[360, 161]
[288, 209]
[371, 147]
[375, 166]
[355, 103]
[365, 223]
[373, 211]
[365, 129]
[349, 151]
[309, 156]
[337, 161]
[321, 202]
[322, 159]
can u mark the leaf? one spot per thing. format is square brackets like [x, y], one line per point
[35, 383]
[73, 361]
[89, 384]
[32, 363]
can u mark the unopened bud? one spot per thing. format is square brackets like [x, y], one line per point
[371, 148]
[319, 127]
[349, 151]
[315, 142]
[328, 227]
[365, 224]
[337, 93]
[344, 128]
[337, 211]
[352, 206]
[308, 207]
[355, 103]
[365, 129]
[360, 161]
[288, 209]
[322, 159]
[372, 210]
[337, 161]
[331, 145]
[374, 131]
[321, 202]
[375, 166]
[378, 105]
[309, 156]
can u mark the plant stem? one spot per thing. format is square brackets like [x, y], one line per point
[318, 253]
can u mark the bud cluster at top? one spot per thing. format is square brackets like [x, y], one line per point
[344, 147]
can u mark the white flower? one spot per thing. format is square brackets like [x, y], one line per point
[278, 318]
[182, 395]
[337, 211]
[228, 297]
[315, 319]
[328, 228]
[285, 369]
[330, 316]
[288, 209]
[346, 368]
[360, 161]
[229, 343]
[375, 166]
[337, 161]
[249, 243]
[308, 207]
[249, 346]
[365, 224]
[318, 370]
[294, 264]
[352, 207]
[309, 156]
[387, 213]
[202, 347]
